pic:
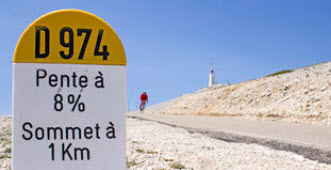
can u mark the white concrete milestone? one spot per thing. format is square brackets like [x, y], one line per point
[69, 107]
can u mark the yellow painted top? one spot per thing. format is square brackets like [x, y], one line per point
[71, 37]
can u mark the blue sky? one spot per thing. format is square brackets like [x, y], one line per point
[171, 44]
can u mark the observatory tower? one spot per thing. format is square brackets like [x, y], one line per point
[211, 77]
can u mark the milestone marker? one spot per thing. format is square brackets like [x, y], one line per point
[69, 95]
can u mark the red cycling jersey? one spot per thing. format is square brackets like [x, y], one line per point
[143, 97]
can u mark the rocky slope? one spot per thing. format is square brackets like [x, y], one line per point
[5, 143]
[303, 95]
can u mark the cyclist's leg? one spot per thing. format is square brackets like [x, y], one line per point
[141, 106]
[143, 103]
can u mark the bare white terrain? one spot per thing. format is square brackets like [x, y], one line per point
[156, 146]
[302, 96]
[153, 146]
[5, 143]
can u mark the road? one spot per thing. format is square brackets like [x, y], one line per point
[311, 141]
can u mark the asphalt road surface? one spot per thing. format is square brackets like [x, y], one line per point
[311, 141]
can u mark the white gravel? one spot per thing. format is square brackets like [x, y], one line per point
[5, 143]
[154, 146]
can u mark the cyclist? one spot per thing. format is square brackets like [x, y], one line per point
[143, 101]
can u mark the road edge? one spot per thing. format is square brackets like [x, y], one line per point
[307, 151]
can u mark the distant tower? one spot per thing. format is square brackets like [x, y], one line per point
[211, 77]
